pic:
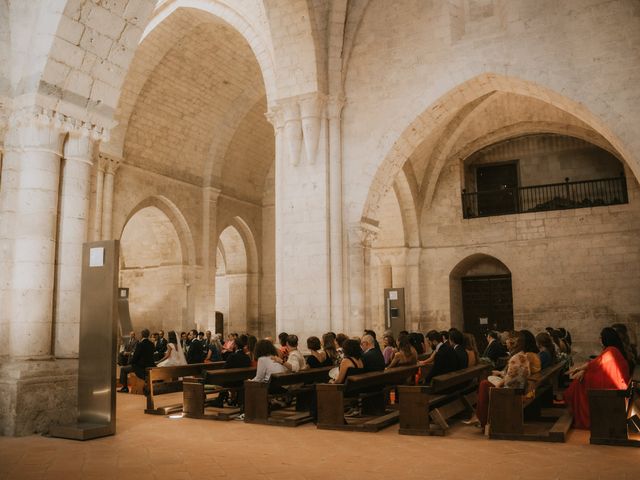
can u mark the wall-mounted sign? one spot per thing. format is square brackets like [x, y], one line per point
[393, 295]
[96, 257]
[484, 320]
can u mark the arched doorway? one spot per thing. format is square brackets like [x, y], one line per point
[151, 266]
[481, 296]
[235, 283]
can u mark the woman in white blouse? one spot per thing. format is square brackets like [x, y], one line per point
[265, 353]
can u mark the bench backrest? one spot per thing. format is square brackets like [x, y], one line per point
[155, 374]
[392, 376]
[545, 375]
[454, 379]
[229, 376]
[309, 376]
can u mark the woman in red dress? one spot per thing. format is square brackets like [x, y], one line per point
[608, 371]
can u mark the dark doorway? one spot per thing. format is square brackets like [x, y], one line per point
[497, 189]
[487, 304]
[220, 324]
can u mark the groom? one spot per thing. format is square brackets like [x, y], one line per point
[195, 354]
[141, 359]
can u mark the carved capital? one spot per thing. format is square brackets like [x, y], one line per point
[38, 128]
[335, 104]
[363, 234]
[211, 194]
[108, 163]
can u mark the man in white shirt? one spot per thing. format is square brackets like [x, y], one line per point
[295, 362]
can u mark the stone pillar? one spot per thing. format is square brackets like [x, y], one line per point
[30, 181]
[303, 279]
[361, 236]
[111, 166]
[206, 291]
[72, 233]
[96, 232]
[334, 111]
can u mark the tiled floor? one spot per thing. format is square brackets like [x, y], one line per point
[155, 447]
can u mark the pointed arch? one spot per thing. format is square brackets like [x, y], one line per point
[449, 105]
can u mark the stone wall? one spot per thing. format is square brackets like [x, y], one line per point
[576, 269]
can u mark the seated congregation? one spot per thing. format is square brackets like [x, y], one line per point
[371, 376]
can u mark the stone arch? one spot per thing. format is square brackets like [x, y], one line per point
[158, 29]
[237, 285]
[175, 216]
[450, 104]
[476, 264]
[154, 269]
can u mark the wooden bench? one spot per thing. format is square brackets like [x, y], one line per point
[196, 404]
[615, 414]
[424, 410]
[371, 389]
[163, 380]
[257, 396]
[510, 407]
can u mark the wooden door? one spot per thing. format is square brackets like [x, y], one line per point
[497, 189]
[487, 304]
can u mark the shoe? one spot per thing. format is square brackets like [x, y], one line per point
[124, 390]
[353, 413]
[472, 421]
[240, 417]
[217, 402]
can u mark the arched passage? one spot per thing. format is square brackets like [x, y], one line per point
[236, 289]
[152, 267]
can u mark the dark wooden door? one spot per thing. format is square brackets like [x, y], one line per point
[220, 324]
[487, 304]
[497, 189]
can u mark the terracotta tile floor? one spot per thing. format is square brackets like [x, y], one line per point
[159, 448]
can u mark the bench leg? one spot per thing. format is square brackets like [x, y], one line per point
[193, 399]
[330, 407]
[505, 412]
[414, 406]
[608, 415]
[256, 401]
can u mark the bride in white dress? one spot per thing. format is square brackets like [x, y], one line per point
[174, 354]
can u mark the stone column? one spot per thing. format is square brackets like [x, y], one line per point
[334, 111]
[303, 260]
[206, 296]
[361, 236]
[30, 181]
[96, 232]
[111, 166]
[72, 233]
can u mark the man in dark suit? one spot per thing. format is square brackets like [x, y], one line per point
[445, 359]
[141, 359]
[495, 349]
[195, 353]
[372, 358]
[161, 346]
[237, 359]
[456, 340]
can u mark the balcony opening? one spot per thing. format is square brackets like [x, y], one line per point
[537, 173]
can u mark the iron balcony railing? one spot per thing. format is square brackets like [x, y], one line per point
[543, 198]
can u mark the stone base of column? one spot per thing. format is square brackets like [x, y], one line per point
[35, 394]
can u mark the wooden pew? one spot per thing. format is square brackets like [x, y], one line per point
[372, 391]
[424, 410]
[163, 380]
[614, 414]
[196, 390]
[257, 397]
[510, 407]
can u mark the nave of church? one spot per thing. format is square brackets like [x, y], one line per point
[214, 185]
